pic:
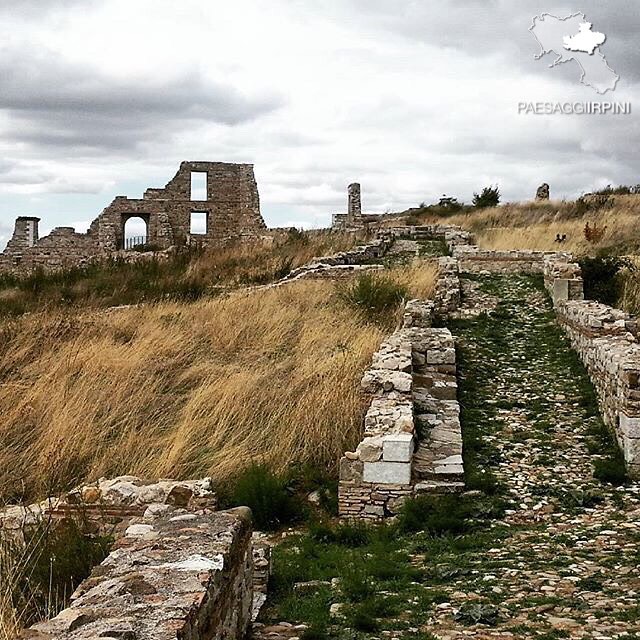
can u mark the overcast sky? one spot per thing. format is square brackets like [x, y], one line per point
[412, 98]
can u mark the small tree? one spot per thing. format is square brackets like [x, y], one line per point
[490, 197]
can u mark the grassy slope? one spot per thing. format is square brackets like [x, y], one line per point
[187, 275]
[184, 390]
[534, 225]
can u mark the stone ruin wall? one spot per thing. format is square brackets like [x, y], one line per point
[390, 463]
[412, 386]
[606, 340]
[179, 568]
[232, 211]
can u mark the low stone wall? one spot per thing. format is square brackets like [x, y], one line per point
[344, 263]
[178, 568]
[448, 292]
[375, 478]
[606, 341]
[412, 385]
[472, 259]
[437, 463]
[173, 574]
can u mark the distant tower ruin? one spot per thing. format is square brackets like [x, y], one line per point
[25, 233]
[543, 192]
[354, 210]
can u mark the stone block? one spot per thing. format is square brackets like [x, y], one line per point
[387, 472]
[631, 450]
[560, 290]
[441, 356]
[629, 427]
[370, 449]
[398, 448]
[350, 470]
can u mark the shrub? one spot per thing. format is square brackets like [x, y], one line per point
[592, 203]
[621, 190]
[594, 234]
[268, 495]
[489, 197]
[449, 204]
[603, 280]
[373, 295]
[611, 469]
[437, 515]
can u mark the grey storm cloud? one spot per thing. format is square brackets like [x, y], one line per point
[489, 27]
[53, 103]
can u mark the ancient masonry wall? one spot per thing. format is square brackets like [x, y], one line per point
[179, 568]
[412, 386]
[231, 210]
[606, 339]
[343, 264]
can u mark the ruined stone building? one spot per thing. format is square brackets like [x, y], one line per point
[354, 218]
[227, 207]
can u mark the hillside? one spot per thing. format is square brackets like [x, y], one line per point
[184, 389]
[440, 394]
[535, 225]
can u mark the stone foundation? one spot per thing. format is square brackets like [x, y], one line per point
[412, 386]
[172, 575]
[606, 341]
[178, 568]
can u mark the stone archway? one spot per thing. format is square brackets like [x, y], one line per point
[135, 230]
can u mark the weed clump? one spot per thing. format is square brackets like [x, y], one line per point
[373, 296]
[269, 496]
[41, 571]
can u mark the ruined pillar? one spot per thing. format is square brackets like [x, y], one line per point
[354, 210]
[543, 192]
[25, 235]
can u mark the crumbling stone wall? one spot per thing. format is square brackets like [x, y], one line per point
[606, 341]
[179, 567]
[231, 209]
[472, 259]
[172, 575]
[563, 279]
[354, 210]
[543, 192]
[411, 382]
[353, 219]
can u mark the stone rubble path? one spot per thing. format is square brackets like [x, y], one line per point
[569, 566]
[563, 560]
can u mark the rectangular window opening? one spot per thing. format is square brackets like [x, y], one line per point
[198, 225]
[198, 186]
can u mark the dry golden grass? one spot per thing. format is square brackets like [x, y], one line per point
[184, 390]
[16, 561]
[255, 262]
[187, 275]
[535, 225]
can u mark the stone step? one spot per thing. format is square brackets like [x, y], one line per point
[430, 465]
[438, 487]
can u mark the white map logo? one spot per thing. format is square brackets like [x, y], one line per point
[572, 38]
